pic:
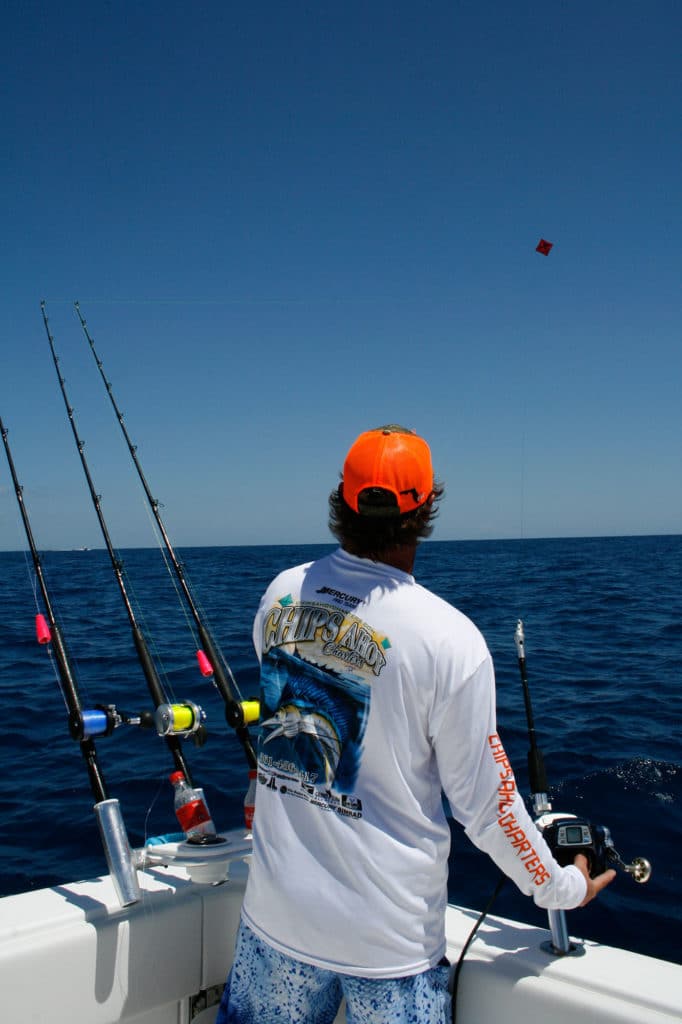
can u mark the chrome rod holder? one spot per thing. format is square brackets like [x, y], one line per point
[117, 852]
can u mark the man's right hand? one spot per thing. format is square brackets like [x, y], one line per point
[594, 885]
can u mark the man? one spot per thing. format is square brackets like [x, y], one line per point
[376, 697]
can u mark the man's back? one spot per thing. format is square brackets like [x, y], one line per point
[349, 803]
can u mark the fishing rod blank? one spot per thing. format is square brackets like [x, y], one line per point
[536, 764]
[237, 713]
[154, 684]
[82, 723]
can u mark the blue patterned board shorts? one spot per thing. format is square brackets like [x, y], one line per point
[267, 987]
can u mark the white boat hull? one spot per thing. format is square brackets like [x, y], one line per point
[72, 955]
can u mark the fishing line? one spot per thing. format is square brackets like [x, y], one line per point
[154, 684]
[55, 672]
[534, 756]
[54, 666]
[519, 575]
[150, 636]
[33, 582]
[173, 578]
[211, 661]
[161, 786]
[206, 618]
[140, 605]
[32, 577]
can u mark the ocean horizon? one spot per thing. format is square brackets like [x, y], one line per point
[332, 542]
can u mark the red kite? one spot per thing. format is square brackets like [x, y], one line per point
[543, 247]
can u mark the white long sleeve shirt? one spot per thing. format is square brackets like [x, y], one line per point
[377, 696]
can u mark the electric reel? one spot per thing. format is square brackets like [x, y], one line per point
[567, 835]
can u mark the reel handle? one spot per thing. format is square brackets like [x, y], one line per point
[640, 869]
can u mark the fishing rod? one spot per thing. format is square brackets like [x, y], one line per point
[567, 835]
[84, 724]
[536, 763]
[238, 713]
[192, 716]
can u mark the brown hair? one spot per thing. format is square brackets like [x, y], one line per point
[369, 536]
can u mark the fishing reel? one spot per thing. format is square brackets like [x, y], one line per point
[182, 720]
[242, 713]
[568, 835]
[88, 723]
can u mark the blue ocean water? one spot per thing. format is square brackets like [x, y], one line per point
[603, 624]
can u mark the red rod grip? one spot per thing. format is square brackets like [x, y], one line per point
[205, 666]
[42, 630]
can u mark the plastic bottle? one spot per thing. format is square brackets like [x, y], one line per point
[190, 808]
[250, 800]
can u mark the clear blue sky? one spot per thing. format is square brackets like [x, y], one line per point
[287, 222]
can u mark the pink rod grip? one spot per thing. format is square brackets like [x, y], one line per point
[42, 630]
[204, 664]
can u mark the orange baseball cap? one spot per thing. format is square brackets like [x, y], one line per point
[387, 472]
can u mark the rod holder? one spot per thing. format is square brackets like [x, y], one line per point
[560, 944]
[117, 851]
[205, 865]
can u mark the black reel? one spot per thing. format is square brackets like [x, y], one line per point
[567, 836]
